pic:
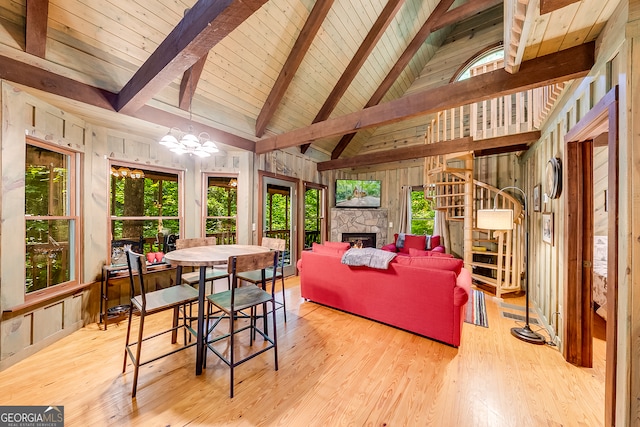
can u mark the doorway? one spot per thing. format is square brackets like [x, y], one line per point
[599, 127]
[278, 214]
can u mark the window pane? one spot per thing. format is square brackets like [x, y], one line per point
[49, 253]
[143, 193]
[422, 215]
[145, 229]
[222, 209]
[46, 182]
[312, 220]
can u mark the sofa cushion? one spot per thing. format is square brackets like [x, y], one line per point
[327, 250]
[441, 263]
[413, 241]
[338, 245]
[418, 252]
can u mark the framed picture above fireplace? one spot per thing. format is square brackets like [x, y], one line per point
[357, 193]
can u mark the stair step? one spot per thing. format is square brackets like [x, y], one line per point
[484, 279]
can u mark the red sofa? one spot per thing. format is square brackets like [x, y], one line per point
[426, 301]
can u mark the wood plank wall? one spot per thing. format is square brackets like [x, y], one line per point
[546, 274]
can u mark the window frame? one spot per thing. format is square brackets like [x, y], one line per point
[132, 165]
[74, 163]
[205, 200]
[322, 210]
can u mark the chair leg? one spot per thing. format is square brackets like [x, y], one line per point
[126, 343]
[232, 359]
[137, 361]
[284, 301]
[275, 335]
[174, 333]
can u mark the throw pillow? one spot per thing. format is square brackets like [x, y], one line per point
[413, 241]
[399, 240]
[338, 245]
[428, 243]
[327, 250]
[434, 242]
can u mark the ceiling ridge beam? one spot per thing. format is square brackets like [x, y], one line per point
[46, 81]
[36, 27]
[564, 65]
[404, 59]
[203, 26]
[517, 142]
[366, 47]
[288, 72]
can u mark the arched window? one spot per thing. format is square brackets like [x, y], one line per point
[493, 56]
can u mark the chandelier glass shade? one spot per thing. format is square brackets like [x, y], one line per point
[188, 143]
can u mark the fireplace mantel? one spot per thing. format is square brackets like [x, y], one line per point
[359, 221]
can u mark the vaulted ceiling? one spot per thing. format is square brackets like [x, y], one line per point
[339, 78]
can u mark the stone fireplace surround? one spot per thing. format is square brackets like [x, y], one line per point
[359, 221]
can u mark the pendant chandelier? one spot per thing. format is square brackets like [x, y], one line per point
[188, 143]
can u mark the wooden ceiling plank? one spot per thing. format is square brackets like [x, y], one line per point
[299, 50]
[37, 78]
[36, 27]
[373, 36]
[463, 12]
[548, 6]
[404, 59]
[426, 150]
[189, 83]
[202, 27]
[561, 66]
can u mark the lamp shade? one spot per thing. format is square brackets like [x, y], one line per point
[494, 219]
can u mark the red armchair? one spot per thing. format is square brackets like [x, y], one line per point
[413, 241]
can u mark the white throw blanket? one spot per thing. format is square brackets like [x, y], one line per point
[370, 257]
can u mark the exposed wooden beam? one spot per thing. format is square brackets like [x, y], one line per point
[548, 6]
[400, 65]
[203, 26]
[358, 60]
[426, 150]
[553, 68]
[36, 27]
[463, 12]
[37, 78]
[299, 50]
[189, 83]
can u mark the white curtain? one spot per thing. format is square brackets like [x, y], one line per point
[405, 205]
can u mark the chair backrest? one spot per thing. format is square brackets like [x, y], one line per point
[137, 270]
[260, 261]
[195, 242]
[273, 243]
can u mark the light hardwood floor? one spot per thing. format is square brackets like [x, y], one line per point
[335, 369]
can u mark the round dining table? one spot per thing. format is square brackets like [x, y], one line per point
[203, 257]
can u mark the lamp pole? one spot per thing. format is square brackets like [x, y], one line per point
[525, 333]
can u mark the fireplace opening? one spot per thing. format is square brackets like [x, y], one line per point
[368, 239]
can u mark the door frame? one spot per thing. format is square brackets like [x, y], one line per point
[598, 127]
[295, 220]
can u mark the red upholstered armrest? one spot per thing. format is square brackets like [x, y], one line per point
[391, 247]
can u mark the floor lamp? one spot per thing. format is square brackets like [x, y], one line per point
[502, 219]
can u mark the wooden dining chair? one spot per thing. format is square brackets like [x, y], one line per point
[255, 276]
[145, 303]
[213, 274]
[246, 297]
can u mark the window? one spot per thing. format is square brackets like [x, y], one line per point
[222, 209]
[314, 214]
[145, 205]
[422, 215]
[495, 55]
[50, 216]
